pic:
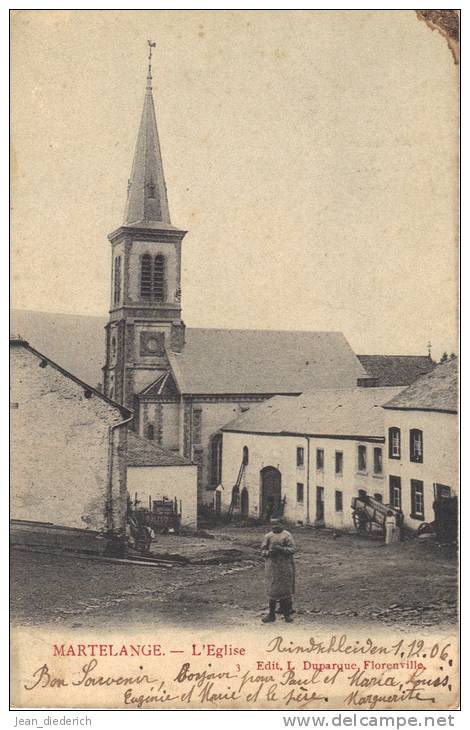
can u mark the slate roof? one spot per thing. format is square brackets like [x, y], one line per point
[264, 361]
[435, 391]
[142, 452]
[76, 341]
[147, 197]
[391, 370]
[16, 342]
[213, 360]
[342, 412]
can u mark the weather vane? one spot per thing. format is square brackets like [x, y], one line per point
[152, 44]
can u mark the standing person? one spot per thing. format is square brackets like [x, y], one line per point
[278, 548]
[392, 531]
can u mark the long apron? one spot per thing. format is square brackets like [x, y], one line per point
[279, 567]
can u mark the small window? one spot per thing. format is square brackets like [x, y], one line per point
[378, 497]
[150, 189]
[150, 432]
[394, 448]
[338, 462]
[338, 501]
[417, 499]
[378, 462]
[416, 445]
[361, 458]
[362, 494]
[246, 455]
[300, 492]
[320, 459]
[395, 492]
[300, 456]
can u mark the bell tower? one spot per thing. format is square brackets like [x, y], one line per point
[145, 310]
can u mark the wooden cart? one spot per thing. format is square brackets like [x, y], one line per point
[369, 513]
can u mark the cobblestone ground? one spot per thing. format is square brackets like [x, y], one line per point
[339, 579]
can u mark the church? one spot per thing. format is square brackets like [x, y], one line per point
[185, 384]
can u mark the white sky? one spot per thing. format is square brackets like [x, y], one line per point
[311, 155]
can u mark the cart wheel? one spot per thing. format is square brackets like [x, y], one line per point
[361, 523]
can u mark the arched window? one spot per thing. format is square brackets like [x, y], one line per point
[216, 459]
[245, 455]
[150, 432]
[113, 346]
[159, 278]
[146, 276]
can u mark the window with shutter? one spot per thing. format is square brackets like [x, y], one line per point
[146, 276]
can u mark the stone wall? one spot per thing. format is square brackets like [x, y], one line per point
[60, 455]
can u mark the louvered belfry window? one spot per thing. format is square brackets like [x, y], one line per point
[152, 277]
[159, 278]
[146, 276]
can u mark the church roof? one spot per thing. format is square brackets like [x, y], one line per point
[217, 361]
[147, 200]
[342, 413]
[142, 452]
[434, 391]
[213, 360]
[396, 369]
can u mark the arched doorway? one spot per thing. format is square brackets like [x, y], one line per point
[270, 492]
[244, 502]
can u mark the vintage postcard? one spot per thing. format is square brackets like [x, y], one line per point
[234, 359]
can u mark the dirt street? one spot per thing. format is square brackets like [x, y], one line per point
[346, 579]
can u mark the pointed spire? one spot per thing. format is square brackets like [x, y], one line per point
[146, 193]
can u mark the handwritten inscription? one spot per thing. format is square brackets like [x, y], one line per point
[355, 673]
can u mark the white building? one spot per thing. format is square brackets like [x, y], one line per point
[422, 443]
[306, 457]
[156, 474]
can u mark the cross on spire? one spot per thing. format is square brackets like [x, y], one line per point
[146, 194]
[151, 44]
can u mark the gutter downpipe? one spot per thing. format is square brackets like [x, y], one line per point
[115, 544]
[308, 479]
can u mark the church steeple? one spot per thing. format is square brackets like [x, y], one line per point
[145, 321]
[147, 200]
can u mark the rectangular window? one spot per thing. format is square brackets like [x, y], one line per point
[197, 426]
[394, 448]
[338, 462]
[338, 501]
[395, 492]
[300, 492]
[417, 499]
[378, 465]
[416, 445]
[320, 459]
[378, 497]
[300, 456]
[362, 458]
